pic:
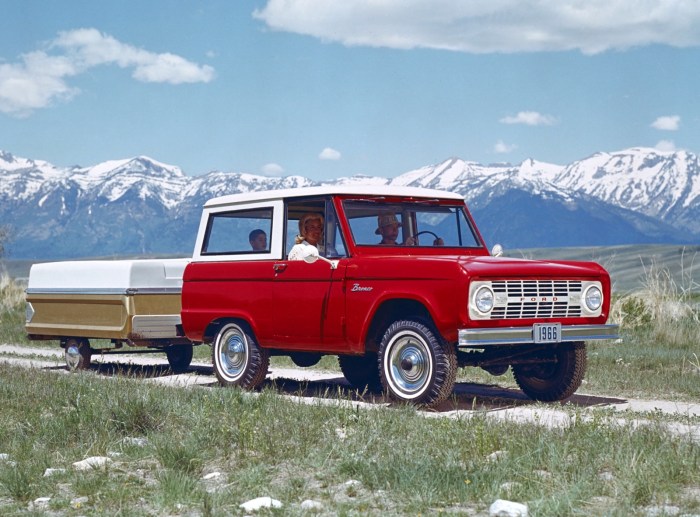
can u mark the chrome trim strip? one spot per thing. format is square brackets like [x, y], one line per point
[129, 291]
[523, 335]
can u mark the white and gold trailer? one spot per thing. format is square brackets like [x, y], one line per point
[135, 304]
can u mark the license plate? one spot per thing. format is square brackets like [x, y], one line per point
[546, 332]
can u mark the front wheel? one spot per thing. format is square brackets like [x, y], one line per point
[558, 376]
[238, 359]
[415, 365]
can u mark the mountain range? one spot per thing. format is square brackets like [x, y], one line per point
[139, 206]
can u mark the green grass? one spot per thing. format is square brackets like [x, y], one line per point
[648, 364]
[402, 462]
[267, 445]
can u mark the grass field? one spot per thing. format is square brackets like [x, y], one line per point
[175, 451]
[166, 445]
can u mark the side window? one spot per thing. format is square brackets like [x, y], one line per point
[331, 242]
[297, 210]
[238, 232]
[335, 246]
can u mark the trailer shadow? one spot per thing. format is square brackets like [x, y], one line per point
[466, 396]
[145, 371]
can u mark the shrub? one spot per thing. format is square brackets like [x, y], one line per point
[660, 302]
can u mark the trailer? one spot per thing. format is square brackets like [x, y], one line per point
[133, 304]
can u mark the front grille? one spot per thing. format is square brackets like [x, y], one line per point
[521, 299]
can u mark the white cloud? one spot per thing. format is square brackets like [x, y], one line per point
[669, 123]
[329, 154]
[34, 84]
[40, 77]
[501, 147]
[272, 169]
[667, 146]
[530, 118]
[485, 26]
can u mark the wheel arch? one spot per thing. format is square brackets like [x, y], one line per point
[392, 310]
[217, 324]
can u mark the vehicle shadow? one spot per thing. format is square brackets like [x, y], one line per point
[466, 396]
[491, 397]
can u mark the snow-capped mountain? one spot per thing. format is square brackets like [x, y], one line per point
[664, 185]
[661, 185]
[141, 206]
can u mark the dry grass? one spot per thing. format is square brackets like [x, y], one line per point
[11, 292]
[662, 301]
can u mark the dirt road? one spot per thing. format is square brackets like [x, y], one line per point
[314, 387]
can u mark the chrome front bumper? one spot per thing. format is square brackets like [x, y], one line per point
[475, 338]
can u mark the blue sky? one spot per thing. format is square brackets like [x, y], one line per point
[324, 88]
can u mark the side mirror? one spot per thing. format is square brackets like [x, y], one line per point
[497, 250]
[310, 255]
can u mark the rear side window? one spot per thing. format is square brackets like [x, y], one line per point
[238, 232]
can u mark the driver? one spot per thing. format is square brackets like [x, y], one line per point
[388, 227]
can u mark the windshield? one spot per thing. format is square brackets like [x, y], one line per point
[409, 224]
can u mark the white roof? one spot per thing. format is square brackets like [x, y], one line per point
[359, 190]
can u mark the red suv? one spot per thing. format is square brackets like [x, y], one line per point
[395, 281]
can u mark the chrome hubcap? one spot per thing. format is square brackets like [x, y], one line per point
[234, 354]
[72, 356]
[409, 365]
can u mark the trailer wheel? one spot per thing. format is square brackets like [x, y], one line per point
[556, 379]
[179, 357]
[416, 366]
[77, 354]
[361, 371]
[238, 359]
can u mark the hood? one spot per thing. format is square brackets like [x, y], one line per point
[504, 267]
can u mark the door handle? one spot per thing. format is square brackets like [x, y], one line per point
[279, 267]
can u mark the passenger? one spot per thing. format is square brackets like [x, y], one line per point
[258, 240]
[388, 227]
[310, 234]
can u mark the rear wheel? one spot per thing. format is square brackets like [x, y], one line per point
[557, 377]
[305, 359]
[416, 366]
[361, 371]
[179, 357]
[238, 359]
[77, 354]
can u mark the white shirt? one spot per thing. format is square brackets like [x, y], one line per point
[297, 251]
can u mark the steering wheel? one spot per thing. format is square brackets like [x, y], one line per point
[424, 232]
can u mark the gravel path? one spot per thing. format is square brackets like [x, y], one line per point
[314, 387]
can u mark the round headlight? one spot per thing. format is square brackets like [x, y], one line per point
[483, 299]
[593, 298]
